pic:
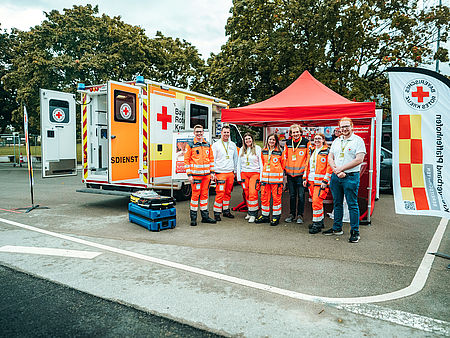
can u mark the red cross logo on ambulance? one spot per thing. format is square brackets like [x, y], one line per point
[125, 111]
[58, 115]
[420, 94]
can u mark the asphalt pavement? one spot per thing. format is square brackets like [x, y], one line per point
[35, 307]
[234, 278]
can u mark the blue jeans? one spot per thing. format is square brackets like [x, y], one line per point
[348, 187]
[296, 195]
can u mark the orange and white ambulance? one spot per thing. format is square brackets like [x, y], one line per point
[126, 133]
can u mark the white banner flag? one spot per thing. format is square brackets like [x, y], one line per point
[420, 106]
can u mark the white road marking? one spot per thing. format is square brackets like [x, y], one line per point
[49, 251]
[416, 285]
[399, 317]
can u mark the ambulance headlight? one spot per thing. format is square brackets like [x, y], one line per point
[140, 79]
[81, 86]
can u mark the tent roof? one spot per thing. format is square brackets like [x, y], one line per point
[306, 100]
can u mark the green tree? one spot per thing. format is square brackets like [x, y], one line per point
[78, 45]
[7, 97]
[346, 44]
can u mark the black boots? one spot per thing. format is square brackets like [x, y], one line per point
[275, 220]
[227, 213]
[206, 218]
[262, 219]
[217, 216]
[193, 218]
[316, 227]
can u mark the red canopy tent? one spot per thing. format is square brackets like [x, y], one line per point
[310, 103]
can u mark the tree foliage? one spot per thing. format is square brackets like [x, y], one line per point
[7, 97]
[346, 44]
[78, 45]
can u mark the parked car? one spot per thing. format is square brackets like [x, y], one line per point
[386, 171]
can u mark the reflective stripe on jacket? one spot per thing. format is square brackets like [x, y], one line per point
[272, 171]
[295, 158]
[323, 169]
[199, 158]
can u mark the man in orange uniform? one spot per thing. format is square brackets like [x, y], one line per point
[225, 157]
[318, 175]
[199, 164]
[294, 154]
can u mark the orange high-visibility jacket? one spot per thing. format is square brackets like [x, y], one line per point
[323, 169]
[199, 158]
[295, 158]
[272, 169]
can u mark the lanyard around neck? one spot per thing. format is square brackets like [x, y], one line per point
[226, 148]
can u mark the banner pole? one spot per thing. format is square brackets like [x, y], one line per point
[29, 162]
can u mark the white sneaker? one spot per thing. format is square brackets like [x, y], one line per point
[247, 217]
[251, 219]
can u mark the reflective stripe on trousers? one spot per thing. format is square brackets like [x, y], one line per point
[200, 189]
[224, 185]
[274, 191]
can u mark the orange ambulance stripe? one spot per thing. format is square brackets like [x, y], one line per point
[420, 197]
[404, 130]
[405, 175]
[416, 151]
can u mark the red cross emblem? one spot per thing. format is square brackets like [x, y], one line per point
[125, 111]
[164, 118]
[58, 115]
[420, 94]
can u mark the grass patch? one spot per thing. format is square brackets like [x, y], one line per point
[35, 151]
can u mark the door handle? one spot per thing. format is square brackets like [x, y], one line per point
[113, 137]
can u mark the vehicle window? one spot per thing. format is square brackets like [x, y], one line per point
[199, 115]
[235, 137]
[124, 106]
[385, 154]
[59, 111]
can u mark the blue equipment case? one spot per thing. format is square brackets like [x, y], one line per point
[153, 220]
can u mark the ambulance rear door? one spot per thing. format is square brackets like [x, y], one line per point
[124, 120]
[58, 133]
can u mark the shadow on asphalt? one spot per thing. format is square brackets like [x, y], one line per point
[34, 307]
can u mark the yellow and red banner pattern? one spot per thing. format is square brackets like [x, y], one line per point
[412, 180]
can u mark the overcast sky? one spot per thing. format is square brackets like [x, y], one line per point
[200, 22]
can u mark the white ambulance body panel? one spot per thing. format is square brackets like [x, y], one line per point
[58, 133]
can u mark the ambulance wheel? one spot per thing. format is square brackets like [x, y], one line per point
[184, 193]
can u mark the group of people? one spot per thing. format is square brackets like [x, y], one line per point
[307, 165]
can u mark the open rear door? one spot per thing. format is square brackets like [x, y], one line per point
[58, 133]
[123, 107]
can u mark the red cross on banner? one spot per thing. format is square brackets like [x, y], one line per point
[420, 94]
[164, 118]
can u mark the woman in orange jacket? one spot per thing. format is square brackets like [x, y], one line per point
[271, 180]
[317, 177]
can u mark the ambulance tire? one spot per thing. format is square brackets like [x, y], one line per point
[184, 193]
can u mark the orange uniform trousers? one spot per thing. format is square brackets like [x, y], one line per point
[224, 186]
[273, 190]
[250, 193]
[317, 195]
[200, 189]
